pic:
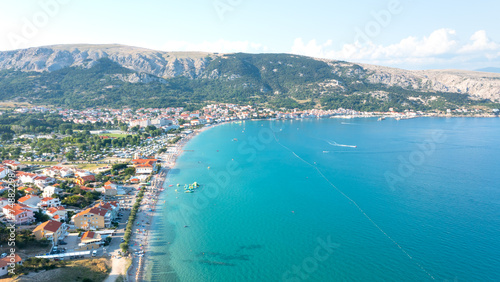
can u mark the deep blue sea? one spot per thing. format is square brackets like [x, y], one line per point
[334, 200]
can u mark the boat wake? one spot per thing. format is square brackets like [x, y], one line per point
[333, 143]
[355, 204]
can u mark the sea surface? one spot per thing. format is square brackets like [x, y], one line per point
[333, 200]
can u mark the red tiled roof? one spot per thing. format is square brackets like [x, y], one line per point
[55, 209]
[25, 198]
[88, 235]
[93, 210]
[16, 208]
[50, 225]
[7, 260]
[88, 178]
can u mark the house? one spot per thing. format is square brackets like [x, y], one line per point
[14, 165]
[30, 200]
[48, 191]
[113, 207]
[30, 191]
[49, 202]
[26, 177]
[87, 189]
[145, 166]
[27, 190]
[4, 171]
[90, 236]
[19, 213]
[57, 213]
[51, 171]
[42, 181]
[7, 261]
[92, 219]
[111, 184]
[81, 172]
[110, 191]
[4, 202]
[58, 171]
[85, 179]
[90, 240]
[4, 186]
[51, 230]
[66, 172]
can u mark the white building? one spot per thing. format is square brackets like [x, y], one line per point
[49, 191]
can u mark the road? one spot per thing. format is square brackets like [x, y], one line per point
[118, 263]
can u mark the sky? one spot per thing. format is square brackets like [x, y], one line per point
[407, 34]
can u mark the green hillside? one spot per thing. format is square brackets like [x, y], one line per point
[276, 80]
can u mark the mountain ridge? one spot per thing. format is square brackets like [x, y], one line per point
[287, 78]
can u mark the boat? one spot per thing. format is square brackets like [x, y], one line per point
[188, 191]
[235, 139]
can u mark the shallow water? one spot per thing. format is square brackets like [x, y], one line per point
[416, 200]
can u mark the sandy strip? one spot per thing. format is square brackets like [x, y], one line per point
[151, 198]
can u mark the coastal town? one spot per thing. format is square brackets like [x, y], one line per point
[92, 193]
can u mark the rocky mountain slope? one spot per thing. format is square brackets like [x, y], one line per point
[56, 57]
[60, 73]
[482, 85]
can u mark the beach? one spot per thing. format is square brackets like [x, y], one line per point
[141, 232]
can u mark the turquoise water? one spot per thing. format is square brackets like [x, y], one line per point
[416, 200]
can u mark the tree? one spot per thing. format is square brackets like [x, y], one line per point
[129, 171]
[63, 185]
[69, 215]
[150, 128]
[124, 247]
[70, 155]
[40, 216]
[17, 129]
[6, 136]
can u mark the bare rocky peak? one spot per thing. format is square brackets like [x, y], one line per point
[477, 84]
[55, 57]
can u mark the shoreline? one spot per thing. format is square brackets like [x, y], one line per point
[154, 193]
[151, 198]
[146, 272]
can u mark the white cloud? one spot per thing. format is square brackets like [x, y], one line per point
[480, 42]
[441, 48]
[222, 46]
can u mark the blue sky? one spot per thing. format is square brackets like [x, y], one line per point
[400, 33]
